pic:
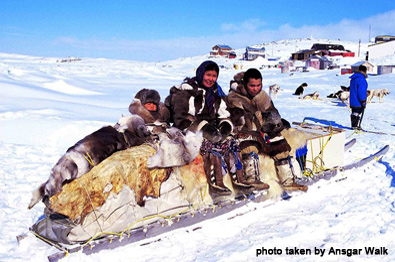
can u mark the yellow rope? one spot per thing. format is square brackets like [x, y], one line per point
[130, 226]
[89, 159]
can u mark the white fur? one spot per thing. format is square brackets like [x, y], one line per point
[380, 93]
[273, 90]
[175, 149]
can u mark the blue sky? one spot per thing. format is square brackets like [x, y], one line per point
[163, 30]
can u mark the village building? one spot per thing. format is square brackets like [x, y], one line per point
[318, 62]
[253, 53]
[381, 49]
[223, 50]
[370, 67]
[322, 50]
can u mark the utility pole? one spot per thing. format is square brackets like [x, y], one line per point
[359, 46]
[369, 32]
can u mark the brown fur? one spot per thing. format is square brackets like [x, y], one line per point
[90, 151]
[129, 169]
[314, 96]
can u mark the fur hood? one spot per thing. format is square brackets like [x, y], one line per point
[148, 96]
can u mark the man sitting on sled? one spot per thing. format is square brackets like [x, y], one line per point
[254, 116]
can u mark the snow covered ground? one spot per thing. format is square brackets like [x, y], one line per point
[46, 106]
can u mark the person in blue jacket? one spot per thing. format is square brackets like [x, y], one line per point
[358, 96]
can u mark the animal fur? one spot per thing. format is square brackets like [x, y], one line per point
[299, 91]
[175, 149]
[314, 96]
[344, 96]
[380, 93]
[90, 151]
[296, 139]
[335, 95]
[273, 90]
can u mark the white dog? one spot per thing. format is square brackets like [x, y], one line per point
[273, 90]
[380, 93]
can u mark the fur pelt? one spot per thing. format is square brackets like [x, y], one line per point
[90, 151]
[176, 149]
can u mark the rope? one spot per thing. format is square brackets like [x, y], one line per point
[90, 200]
[89, 159]
[318, 167]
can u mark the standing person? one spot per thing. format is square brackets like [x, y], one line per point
[258, 121]
[199, 104]
[147, 104]
[358, 96]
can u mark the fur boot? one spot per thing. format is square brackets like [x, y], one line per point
[212, 168]
[237, 175]
[286, 172]
[251, 171]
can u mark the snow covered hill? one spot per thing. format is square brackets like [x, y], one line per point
[46, 106]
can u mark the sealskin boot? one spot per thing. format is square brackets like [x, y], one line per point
[237, 174]
[286, 174]
[212, 168]
[251, 171]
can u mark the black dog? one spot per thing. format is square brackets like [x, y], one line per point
[299, 91]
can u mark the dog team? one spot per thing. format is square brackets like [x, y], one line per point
[236, 129]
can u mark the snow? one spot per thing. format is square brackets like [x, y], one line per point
[45, 107]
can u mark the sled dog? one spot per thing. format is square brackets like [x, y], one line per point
[273, 90]
[299, 91]
[314, 96]
[380, 93]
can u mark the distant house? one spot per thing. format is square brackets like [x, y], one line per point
[385, 69]
[303, 55]
[383, 38]
[318, 62]
[322, 50]
[369, 66]
[223, 50]
[383, 48]
[253, 53]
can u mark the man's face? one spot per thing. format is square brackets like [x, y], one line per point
[150, 107]
[209, 78]
[254, 86]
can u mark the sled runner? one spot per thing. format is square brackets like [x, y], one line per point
[175, 216]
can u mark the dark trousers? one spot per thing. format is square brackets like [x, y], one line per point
[356, 116]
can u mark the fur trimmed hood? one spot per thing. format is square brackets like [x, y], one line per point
[148, 96]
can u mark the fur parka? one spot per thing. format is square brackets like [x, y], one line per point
[158, 119]
[186, 103]
[248, 112]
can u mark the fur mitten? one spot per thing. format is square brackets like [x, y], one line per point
[225, 128]
[211, 133]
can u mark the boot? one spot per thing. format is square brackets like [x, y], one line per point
[212, 167]
[356, 121]
[286, 174]
[237, 175]
[251, 171]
